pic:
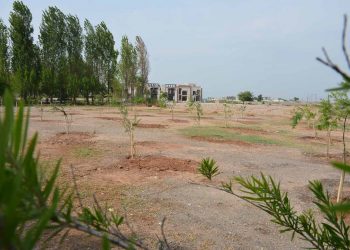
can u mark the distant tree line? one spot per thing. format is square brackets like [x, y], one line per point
[69, 60]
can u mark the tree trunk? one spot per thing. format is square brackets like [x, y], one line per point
[314, 128]
[341, 182]
[328, 141]
[132, 145]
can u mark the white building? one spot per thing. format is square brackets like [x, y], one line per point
[176, 92]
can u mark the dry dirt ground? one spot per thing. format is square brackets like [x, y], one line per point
[159, 182]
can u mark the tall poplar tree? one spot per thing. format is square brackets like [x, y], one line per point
[128, 67]
[52, 39]
[4, 57]
[74, 54]
[23, 54]
[142, 64]
[91, 84]
[106, 57]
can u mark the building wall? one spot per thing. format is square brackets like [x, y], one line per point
[177, 92]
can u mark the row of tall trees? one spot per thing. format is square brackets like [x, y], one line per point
[69, 60]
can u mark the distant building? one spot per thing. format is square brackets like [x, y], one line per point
[176, 92]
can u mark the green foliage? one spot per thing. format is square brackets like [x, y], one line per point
[297, 117]
[53, 39]
[328, 119]
[245, 96]
[305, 112]
[264, 193]
[4, 57]
[23, 50]
[138, 100]
[163, 99]
[143, 64]
[128, 67]
[208, 168]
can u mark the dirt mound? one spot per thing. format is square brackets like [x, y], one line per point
[217, 140]
[151, 125]
[337, 157]
[178, 121]
[109, 118]
[318, 139]
[158, 164]
[73, 138]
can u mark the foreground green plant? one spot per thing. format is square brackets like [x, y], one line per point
[208, 168]
[330, 233]
[29, 204]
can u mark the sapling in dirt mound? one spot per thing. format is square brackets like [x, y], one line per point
[242, 108]
[208, 168]
[228, 112]
[197, 107]
[309, 114]
[67, 117]
[129, 125]
[327, 120]
[171, 105]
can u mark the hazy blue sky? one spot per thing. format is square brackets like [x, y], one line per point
[268, 47]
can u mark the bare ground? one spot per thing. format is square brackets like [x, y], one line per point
[160, 180]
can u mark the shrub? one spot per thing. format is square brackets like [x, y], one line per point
[208, 168]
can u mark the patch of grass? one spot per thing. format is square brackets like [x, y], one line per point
[227, 135]
[84, 152]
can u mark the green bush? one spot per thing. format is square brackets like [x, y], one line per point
[208, 168]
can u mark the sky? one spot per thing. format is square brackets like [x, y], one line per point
[226, 46]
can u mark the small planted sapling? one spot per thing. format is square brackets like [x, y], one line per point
[228, 112]
[129, 125]
[41, 110]
[308, 114]
[208, 168]
[197, 107]
[242, 109]
[162, 102]
[327, 120]
[67, 117]
[171, 105]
